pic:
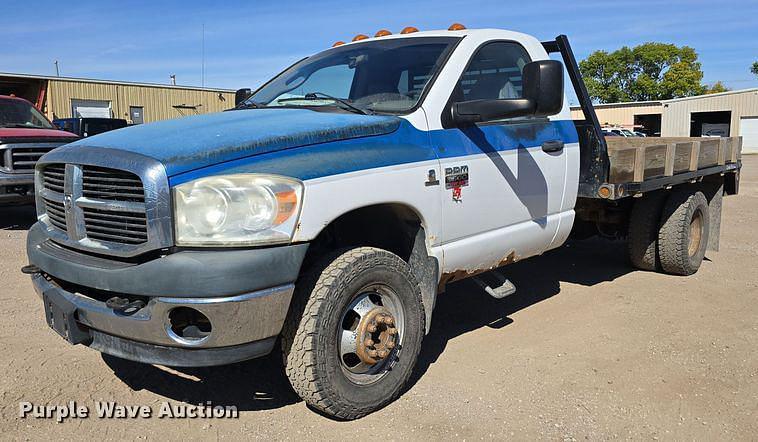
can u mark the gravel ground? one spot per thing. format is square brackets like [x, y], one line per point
[586, 349]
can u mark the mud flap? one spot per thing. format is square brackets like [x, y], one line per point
[715, 195]
[426, 270]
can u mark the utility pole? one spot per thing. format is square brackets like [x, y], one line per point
[202, 52]
[57, 71]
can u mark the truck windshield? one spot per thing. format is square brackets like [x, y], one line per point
[19, 113]
[376, 76]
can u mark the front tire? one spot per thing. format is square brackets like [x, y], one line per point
[354, 332]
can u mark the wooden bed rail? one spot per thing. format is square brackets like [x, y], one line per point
[633, 160]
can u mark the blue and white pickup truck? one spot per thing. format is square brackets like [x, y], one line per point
[332, 205]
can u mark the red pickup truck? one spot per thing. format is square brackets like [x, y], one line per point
[25, 135]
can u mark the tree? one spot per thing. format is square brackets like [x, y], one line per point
[717, 87]
[754, 68]
[650, 71]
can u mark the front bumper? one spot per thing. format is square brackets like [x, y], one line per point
[244, 326]
[16, 187]
[244, 293]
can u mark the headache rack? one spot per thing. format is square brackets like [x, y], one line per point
[618, 167]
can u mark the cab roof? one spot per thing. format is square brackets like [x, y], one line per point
[485, 33]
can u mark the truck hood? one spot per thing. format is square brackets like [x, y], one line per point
[20, 133]
[194, 142]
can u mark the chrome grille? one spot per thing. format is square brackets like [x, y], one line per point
[53, 176]
[122, 227]
[79, 200]
[56, 212]
[111, 184]
[103, 200]
[25, 158]
[22, 157]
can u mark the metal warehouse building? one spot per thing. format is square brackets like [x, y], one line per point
[725, 114]
[63, 97]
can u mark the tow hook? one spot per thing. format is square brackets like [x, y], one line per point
[30, 269]
[123, 305]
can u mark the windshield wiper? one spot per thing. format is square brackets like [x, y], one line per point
[248, 105]
[320, 95]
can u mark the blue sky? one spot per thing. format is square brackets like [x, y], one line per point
[246, 42]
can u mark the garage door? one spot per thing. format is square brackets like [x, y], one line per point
[90, 109]
[749, 133]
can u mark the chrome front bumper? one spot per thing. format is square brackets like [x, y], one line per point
[235, 320]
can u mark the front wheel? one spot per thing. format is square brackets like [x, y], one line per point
[354, 332]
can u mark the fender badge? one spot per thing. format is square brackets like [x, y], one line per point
[431, 179]
[455, 179]
[457, 195]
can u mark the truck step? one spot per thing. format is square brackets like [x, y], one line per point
[499, 290]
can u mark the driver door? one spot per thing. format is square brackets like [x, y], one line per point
[502, 195]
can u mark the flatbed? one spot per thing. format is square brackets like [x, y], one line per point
[617, 167]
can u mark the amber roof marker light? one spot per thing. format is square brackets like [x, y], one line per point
[456, 27]
[382, 33]
[408, 30]
[338, 43]
[360, 37]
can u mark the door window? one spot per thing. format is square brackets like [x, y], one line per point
[494, 73]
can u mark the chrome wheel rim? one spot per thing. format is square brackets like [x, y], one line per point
[376, 305]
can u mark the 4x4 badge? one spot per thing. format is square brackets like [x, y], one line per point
[431, 179]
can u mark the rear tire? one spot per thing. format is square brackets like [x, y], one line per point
[343, 296]
[644, 224]
[683, 236]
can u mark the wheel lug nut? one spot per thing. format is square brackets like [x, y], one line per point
[371, 328]
[368, 342]
[383, 354]
[392, 331]
[390, 345]
[373, 353]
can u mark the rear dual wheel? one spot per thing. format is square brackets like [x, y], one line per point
[683, 236]
[669, 232]
[644, 223]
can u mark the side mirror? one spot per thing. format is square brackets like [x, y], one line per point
[542, 96]
[242, 95]
[543, 83]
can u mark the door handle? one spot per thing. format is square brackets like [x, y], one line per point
[552, 146]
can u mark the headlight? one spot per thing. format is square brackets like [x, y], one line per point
[243, 209]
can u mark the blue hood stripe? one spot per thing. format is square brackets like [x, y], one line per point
[195, 142]
[403, 146]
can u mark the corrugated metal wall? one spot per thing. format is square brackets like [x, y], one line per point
[676, 115]
[157, 102]
[621, 114]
